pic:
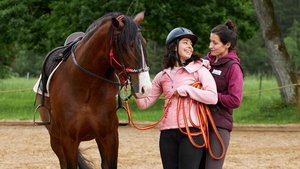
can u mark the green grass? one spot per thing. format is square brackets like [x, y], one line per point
[17, 102]
[151, 114]
[17, 98]
[263, 105]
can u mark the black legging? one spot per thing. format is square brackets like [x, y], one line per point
[177, 152]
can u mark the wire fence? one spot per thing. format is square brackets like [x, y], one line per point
[255, 92]
[246, 93]
[16, 90]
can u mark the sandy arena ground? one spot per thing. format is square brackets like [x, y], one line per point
[259, 147]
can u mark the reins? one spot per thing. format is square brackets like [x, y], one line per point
[91, 73]
[204, 117]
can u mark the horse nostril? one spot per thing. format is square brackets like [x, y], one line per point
[143, 90]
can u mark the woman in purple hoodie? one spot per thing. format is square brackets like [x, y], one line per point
[228, 74]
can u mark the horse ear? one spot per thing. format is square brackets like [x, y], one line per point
[139, 17]
[115, 22]
[118, 21]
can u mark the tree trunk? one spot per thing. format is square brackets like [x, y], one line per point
[277, 52]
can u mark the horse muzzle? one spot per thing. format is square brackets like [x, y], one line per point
[145, 85]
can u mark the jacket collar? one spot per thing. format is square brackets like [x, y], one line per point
[190, 68]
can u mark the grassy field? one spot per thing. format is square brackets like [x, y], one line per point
[17, 98]
[17, 102]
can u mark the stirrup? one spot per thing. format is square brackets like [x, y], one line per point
[40, 122]
[128, 120]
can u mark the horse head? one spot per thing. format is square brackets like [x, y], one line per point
[129, 55]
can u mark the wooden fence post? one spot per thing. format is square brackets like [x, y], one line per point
[298, 91]
[298, 95]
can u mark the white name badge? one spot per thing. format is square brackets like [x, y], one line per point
[216, 72]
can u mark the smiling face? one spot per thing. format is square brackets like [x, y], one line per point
[217, 48]
[185, 49]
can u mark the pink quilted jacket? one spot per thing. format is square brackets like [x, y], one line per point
[168, 81]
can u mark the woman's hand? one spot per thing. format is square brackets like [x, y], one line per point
[181, 91]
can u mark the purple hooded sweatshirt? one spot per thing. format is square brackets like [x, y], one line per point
[228, 75]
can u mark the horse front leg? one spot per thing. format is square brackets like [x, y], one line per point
[58, 150]
[70, 148]
[66, 150]
[108, 148]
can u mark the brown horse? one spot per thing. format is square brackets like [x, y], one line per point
[82, 94]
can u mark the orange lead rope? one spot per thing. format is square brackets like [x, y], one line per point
[204, 116]
[205, 119]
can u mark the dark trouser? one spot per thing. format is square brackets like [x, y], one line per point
[209, 162]
[177, 152]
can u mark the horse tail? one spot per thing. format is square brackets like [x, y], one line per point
[83, 163]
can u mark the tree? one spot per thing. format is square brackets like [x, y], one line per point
[277, 51]
[254, 62]
[293, 44]
[287, 12]
[21, 32]
[34, 27]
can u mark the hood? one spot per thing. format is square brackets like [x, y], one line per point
[231, 55]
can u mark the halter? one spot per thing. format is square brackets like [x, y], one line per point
[144, 67]
[124, 70]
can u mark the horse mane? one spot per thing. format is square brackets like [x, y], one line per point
[130, 27]
[97, 23]
[124, 37]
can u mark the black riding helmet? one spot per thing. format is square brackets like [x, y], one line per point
[181, 32]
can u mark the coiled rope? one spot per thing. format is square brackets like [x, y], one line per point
[204, 116]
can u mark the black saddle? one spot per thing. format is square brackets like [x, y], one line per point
[52, 59]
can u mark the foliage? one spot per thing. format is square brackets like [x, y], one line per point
[155, 57]
[253, 51]
[34, 27]
[288, 17]
[292, 42]
[253, 56]
[287, 12]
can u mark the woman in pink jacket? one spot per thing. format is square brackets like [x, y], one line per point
[181, 69]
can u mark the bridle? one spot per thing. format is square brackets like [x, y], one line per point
[125, 71]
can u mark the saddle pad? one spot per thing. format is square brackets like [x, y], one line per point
[37, 86]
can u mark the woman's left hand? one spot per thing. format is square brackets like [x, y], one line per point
[181, 91]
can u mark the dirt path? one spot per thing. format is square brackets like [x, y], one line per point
[27, 147]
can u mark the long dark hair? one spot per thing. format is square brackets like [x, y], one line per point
[171, 56]
[227, 33]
